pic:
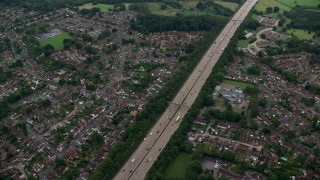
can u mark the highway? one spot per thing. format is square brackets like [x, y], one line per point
[147, 152]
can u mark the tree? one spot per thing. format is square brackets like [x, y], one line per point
[263, 36]
[163, 7]
[269, 10]
[254, 70]
[309, 101]
[48, 49]
[189, 48]
[254, 112]
[262, 102]
[276, 9]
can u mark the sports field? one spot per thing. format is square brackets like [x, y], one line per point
[56, 41]
[177, 168]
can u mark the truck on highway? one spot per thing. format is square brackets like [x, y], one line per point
[177, 118]
[132, 161]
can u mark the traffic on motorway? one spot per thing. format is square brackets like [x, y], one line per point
[147, 152]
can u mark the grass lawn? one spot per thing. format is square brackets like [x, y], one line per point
[230, 5]
[308, 3]
[177, 168]
[56, 41]
[242, 85]
[301, 34]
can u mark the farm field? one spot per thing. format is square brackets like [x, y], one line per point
[177, 168]
[56, 41]
[242, 85]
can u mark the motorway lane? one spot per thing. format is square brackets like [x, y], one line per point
[152, 146]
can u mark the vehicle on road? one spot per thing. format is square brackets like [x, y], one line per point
[177, 118]
[133, 160]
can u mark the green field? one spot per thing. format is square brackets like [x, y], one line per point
[301, 34]
[103, 7]
[230, 5]
[242, 85]
[56, 41]
[308, 3]
[177, 168]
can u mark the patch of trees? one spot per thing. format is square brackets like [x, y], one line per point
[189, 48]
[213, 7]
[146, 23]
[235, 1]
[67, 43]
[5, 75]
[309, 101]
[119, 7]
[128, 41]
[227, 115]
[90, 12]
[139, 7]
[269, 10]
[104, 34]
[23, 90]
[304, 19]
[254, 70]
[251, 24]
[313, 88]
[173, 4]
